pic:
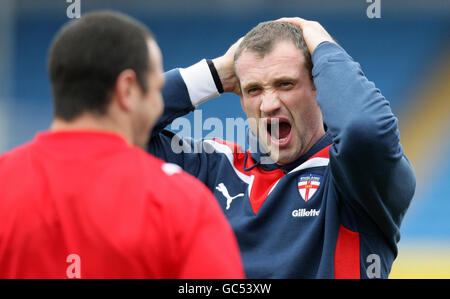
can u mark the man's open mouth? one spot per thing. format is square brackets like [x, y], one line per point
[279, 130]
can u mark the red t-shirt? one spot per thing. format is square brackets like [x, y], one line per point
[86, 204]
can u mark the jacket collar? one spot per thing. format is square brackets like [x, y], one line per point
[265, 162]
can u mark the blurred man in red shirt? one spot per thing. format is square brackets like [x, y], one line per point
[83, 200]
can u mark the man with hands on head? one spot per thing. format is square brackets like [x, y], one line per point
[325, 190]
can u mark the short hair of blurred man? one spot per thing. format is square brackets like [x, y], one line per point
[100, 66]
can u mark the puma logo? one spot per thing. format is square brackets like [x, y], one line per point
[221, 187]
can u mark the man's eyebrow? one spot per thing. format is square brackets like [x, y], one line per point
[253, 84]
[284, 79]
[250, 85]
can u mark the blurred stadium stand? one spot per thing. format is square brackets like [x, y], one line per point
[406, 53]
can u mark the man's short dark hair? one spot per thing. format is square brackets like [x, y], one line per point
[87, 56]
[262, 39]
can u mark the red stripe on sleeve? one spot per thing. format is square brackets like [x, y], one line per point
[346, 256]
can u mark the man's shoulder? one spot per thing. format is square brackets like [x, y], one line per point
[170, 178]
[15, 155]
[178, 190]
[177, 180]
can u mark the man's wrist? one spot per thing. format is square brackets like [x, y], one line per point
[199, 82]
[215, 75]
[225, 71]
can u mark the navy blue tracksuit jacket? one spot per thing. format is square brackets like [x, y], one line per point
[333, 213]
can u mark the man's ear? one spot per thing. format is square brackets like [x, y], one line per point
[126, 90]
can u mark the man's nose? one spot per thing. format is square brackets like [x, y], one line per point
[270, 103]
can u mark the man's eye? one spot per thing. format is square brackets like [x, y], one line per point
[253, 91]
[286, 84]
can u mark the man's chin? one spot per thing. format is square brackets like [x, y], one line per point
[284, 161]
[282, 157]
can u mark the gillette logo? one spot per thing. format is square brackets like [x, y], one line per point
[305, 213]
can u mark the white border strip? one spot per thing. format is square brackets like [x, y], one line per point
[199, 82]
[314, 162]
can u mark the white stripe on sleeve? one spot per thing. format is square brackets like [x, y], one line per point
[199, 82]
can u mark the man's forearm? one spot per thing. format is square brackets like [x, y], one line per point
[351, 104]
[367, 160]
[184, 90]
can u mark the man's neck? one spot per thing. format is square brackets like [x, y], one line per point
[90, 122]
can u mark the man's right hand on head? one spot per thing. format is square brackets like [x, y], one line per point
[225, 69]
[313, 33]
